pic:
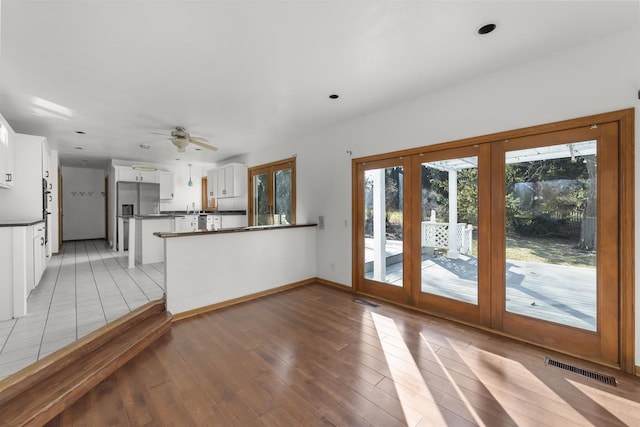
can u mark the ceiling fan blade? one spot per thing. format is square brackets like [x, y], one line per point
[197, 138]
[158, 133]
[199, 143]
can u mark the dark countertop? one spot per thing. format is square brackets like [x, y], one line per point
[182, 213]
[19, 222]
[155, 216]
[229, 230]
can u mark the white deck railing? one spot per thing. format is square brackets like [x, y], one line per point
[435, 235]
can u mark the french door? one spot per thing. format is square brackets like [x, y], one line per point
[520, 235]
[452, 219]
[560, 191]
[381, 205]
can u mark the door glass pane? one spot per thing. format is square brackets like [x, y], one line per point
[282, 184]
[383, 225]
[260, 183]
[449, 222]
[551, 233]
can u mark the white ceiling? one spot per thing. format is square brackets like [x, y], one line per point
[249, 74]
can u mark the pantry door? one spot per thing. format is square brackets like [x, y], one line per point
[555, 240]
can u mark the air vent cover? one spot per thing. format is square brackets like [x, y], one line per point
[580, 371]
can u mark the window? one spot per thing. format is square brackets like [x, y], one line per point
[272, 193]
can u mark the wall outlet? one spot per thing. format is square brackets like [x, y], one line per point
[321, 222]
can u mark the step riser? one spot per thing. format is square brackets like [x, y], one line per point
[93, 379]
[55, 362]
[58, 382]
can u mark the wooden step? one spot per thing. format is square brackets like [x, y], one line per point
[39, 392]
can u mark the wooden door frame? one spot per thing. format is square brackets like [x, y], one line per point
[269, 169]
[601, 344]
[626, 210]
[106, 208]
[401, 295]
[479, 314]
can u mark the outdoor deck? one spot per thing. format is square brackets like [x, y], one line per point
[557, 293]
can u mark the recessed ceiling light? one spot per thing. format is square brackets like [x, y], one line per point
[334, 96]
[145, 146]
[80, 132]
[79, 148]
[486, 28]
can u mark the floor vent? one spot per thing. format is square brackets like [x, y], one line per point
[580, 371]
[365, 302]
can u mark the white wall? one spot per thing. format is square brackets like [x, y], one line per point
[83, 201]
[276, 258]
[590, 79]
[183, 194]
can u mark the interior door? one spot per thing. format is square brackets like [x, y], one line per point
[555, 239]
[382, 248]
[451, 228]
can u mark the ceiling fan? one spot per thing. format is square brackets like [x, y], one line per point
[181, 138]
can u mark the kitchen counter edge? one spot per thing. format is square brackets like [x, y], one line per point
[19, 222]
[230, 230]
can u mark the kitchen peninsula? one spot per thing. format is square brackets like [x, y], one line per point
[206, 269]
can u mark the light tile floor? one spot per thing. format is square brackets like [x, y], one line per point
[83, 288]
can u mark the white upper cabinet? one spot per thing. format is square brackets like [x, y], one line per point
[126, 173]
[7, 155]
[212, 184]
[46, 161]
[148, 176]
[166, 185]
[231, 180]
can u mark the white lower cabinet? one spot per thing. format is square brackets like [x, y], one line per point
[39, 254]
[233, 221]
[22, 264]
[186, 223]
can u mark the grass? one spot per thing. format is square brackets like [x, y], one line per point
[548, 250]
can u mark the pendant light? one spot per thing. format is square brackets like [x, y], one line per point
[190, 183]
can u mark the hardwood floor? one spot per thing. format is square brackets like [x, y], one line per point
[313, 357]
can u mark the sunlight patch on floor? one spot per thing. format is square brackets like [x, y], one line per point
[411, 398]
[464, 399]
[499, 375]
[625, 410]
